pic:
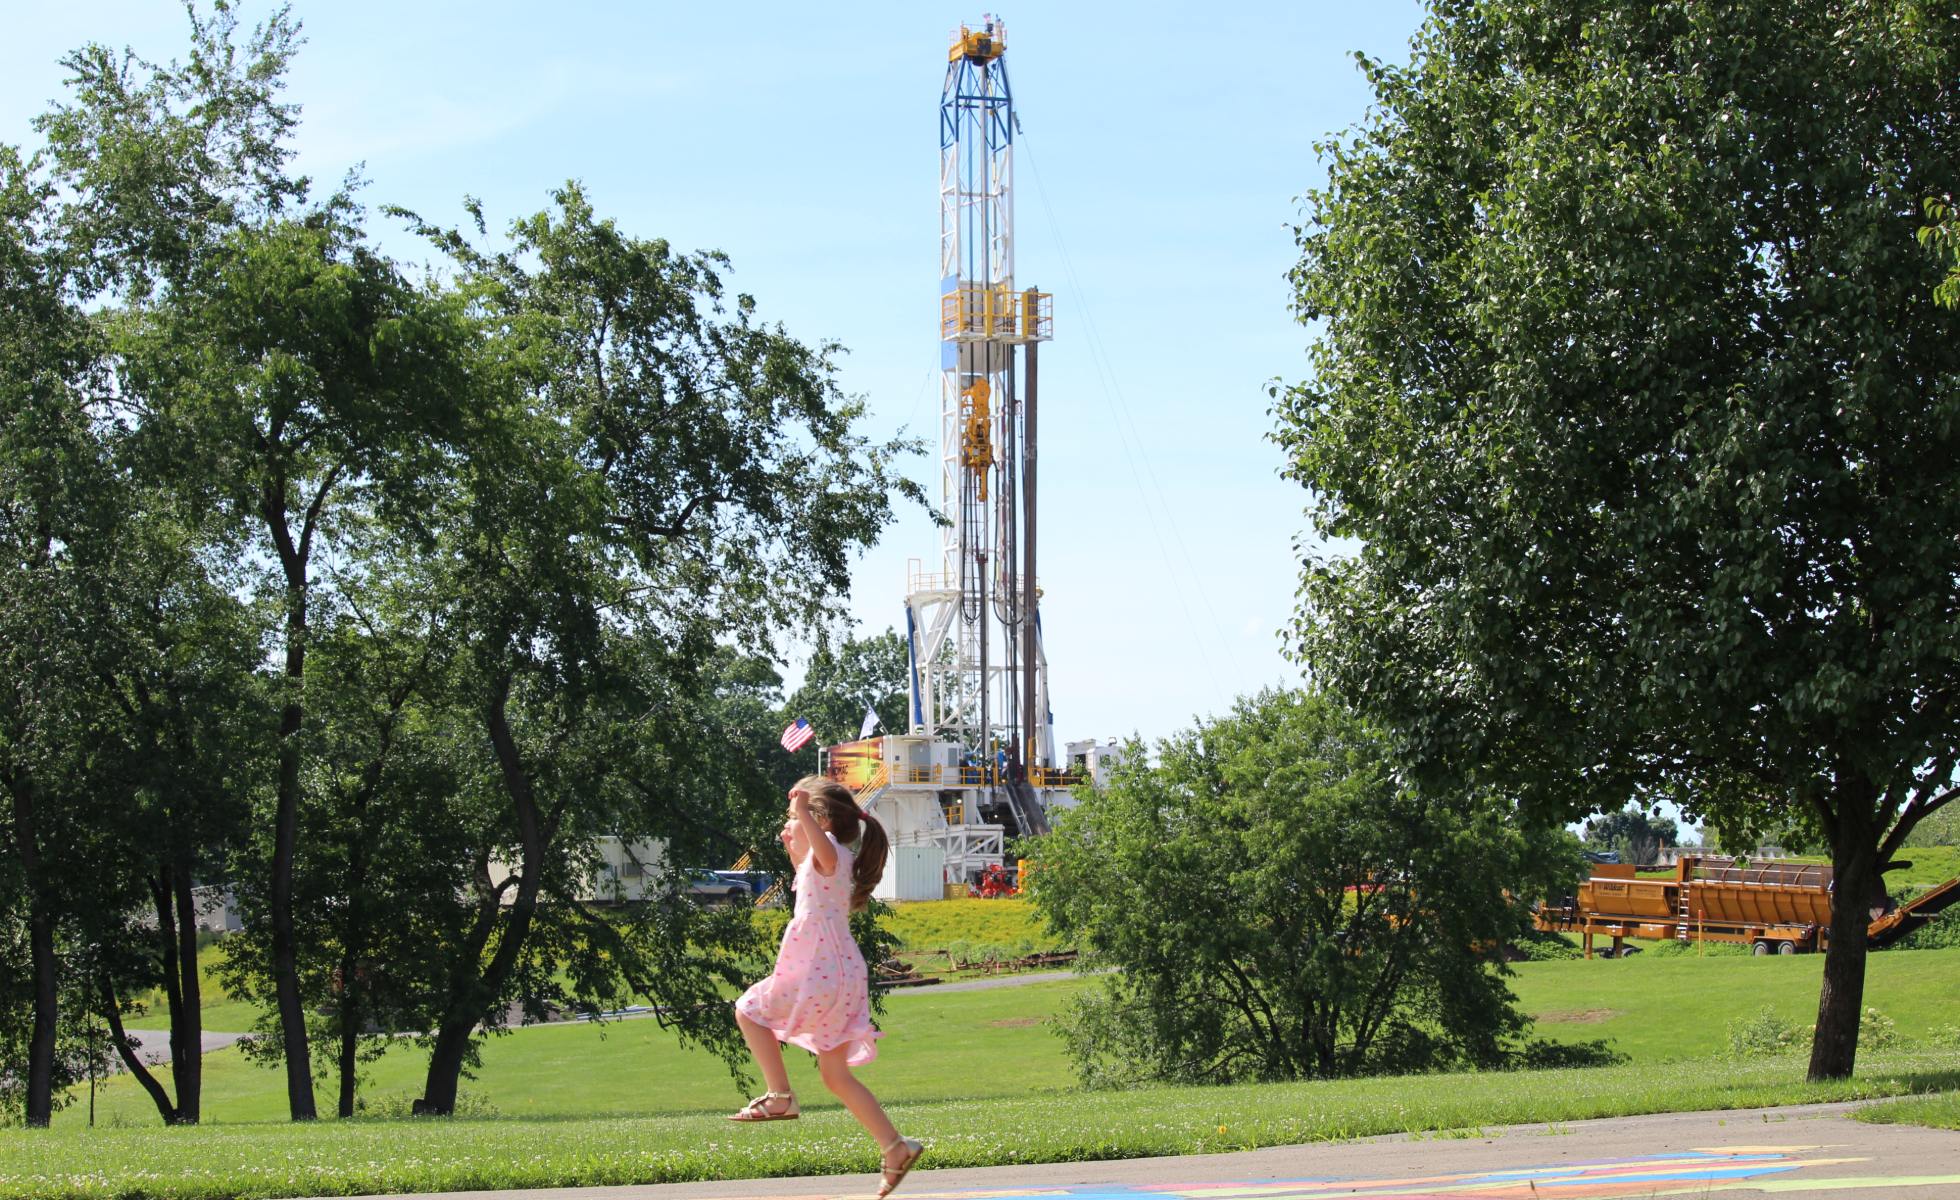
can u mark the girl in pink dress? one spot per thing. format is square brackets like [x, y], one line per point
[817, 997]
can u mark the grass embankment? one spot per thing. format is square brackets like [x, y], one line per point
[221, 1012]
[1009, 923]
[1653, 1008]
[1657, 1007]
[1930, 865]
[924, 930]
[984, 1043]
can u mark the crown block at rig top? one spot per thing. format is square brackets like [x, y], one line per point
[977, 766]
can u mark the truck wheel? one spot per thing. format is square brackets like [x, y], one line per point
[1787, 948]
[1760, 949]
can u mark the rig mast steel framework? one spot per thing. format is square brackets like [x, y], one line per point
[979, 675]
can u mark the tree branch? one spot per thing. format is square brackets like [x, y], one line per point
[313, 508]
[680, 523]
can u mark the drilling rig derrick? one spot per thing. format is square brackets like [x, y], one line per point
[977, 767]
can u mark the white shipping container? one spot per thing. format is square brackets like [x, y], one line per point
[914, 873]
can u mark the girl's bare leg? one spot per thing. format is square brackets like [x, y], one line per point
[858, 1099]
[768, 1056]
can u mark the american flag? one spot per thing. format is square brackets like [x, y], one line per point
[797, 735]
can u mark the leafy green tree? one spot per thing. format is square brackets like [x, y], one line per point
[1941, 235]
[1278, 904]
[163, 160]
[381, 852]
[276, 369]
[656, 474]
[131, 668]
[1630, 394]
[61, 506]
[846, 678]
[303, 380]
[79, 1047]
[182, 674]
[1636, 834]
[383, 865]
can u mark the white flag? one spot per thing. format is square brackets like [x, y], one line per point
[870, 722]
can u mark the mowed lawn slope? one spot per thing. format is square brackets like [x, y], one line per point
[1653, 1008]
[1664, 1007]
[1008, 923]
[981, 1043]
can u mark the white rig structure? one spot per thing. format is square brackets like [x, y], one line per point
[978, 764]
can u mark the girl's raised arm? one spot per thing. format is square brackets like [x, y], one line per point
[823, 852]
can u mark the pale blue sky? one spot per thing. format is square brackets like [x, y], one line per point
[1163, 150]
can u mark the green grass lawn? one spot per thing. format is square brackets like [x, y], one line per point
[278, 1159]
[1665, 1007]
[1653, 1008]
[983, 1043]
[921, 927]
[1930, 865]
[1940, 1111]
[980, 1075]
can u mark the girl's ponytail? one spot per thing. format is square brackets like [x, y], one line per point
[870, 865]
[850, 824]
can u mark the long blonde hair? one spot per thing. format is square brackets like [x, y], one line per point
[849, 823]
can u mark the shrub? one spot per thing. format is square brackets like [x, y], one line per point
[1940, 933]
[1540, 1055]
[1876, 1031]
[1280, 902]
[1763, 1034]
[1538, 945]
[1675, 949]
[400, 1106]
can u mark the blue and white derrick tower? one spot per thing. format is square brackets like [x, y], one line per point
[978, 764]
[979, 644]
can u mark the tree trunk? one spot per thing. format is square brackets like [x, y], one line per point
[474, 988]
[161, 895]
[285, 958]
[112, 1010]
[40, 940]
[40, 1053]
[1854, 880]
[354, 935]
[187, 1017]
[350, 1044]
[445, 1067]
[349, 1014]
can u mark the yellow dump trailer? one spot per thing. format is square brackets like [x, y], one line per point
[1779, 908]
[1776, 907]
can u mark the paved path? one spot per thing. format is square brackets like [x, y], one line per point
[154, 1045]
[1813, 1152]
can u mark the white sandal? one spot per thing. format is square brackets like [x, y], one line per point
[893, 1176]
[758, 1109]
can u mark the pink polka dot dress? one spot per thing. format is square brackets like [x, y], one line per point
[817, 998]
